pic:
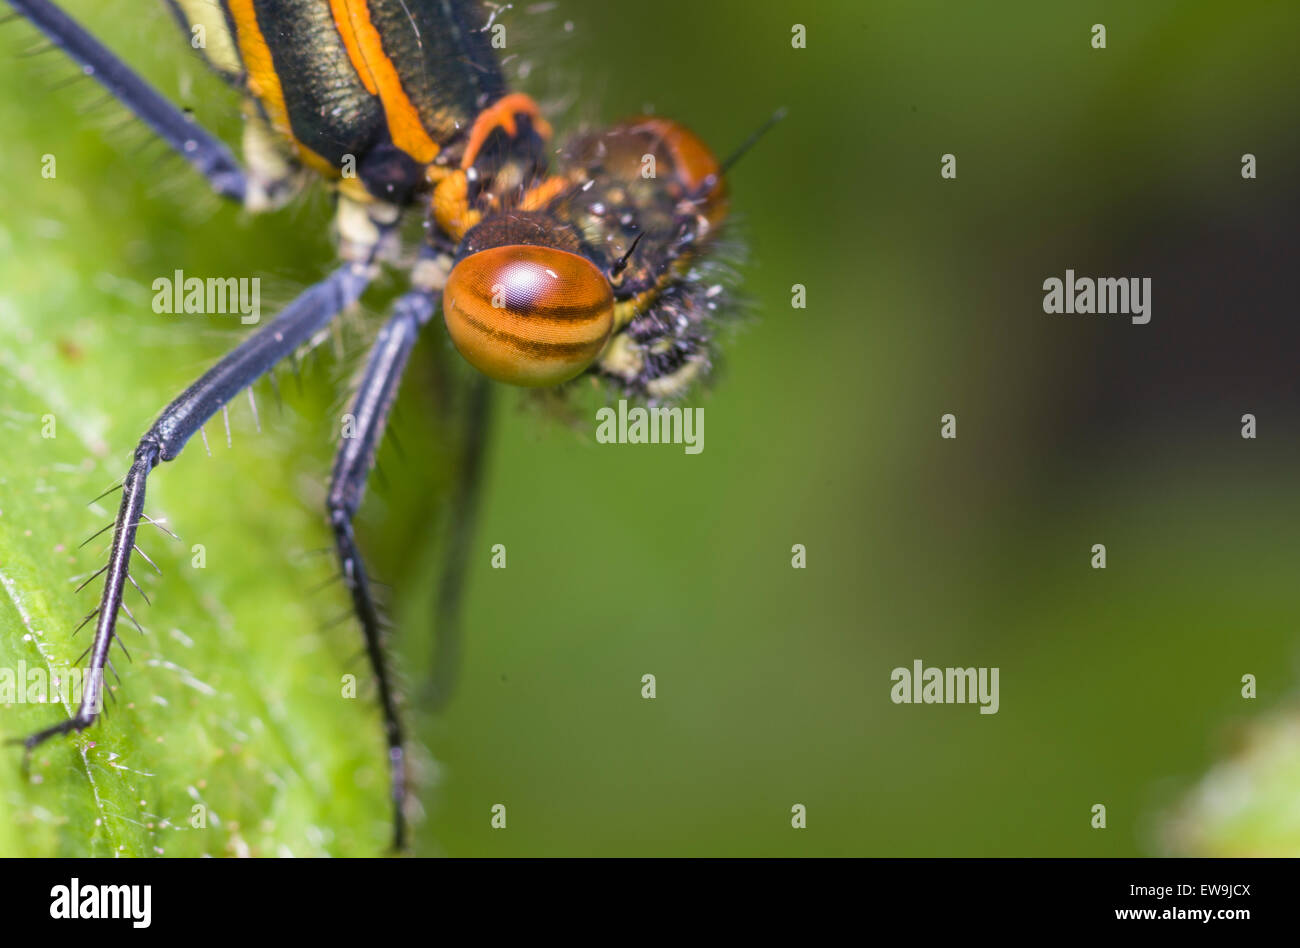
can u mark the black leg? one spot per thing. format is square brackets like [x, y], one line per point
[200, 148]
[356, 455]
[178, 422]
[462, 514]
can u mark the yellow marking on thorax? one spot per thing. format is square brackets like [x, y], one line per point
[219, 44]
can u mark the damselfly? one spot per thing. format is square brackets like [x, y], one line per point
[549, 259]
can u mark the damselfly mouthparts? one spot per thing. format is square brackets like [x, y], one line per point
[548, 262]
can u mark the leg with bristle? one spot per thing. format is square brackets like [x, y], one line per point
[352, 464]
[203, 150]
[178, 422]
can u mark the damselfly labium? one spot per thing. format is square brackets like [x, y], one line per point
[549, 258]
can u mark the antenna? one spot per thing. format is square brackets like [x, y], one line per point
[710, 182]
[752, 140]
[621, 263]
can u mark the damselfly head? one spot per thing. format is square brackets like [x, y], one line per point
[544, 290]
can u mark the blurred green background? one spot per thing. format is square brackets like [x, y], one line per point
[1119, 687]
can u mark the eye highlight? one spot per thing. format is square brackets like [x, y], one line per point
[528, 315]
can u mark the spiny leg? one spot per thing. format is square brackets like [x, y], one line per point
[192, 142]
[356, 456]
[302, 319]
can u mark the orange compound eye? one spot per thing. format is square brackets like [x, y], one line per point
[528, 315]
[693, 159]
[693, 162]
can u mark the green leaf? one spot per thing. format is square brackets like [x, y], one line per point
[1245, 804]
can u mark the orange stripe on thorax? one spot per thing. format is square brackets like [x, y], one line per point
[343, 22]
[377, 72]
[263, 80]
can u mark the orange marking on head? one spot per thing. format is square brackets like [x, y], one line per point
[542, 195]
[451, 205]
[501, 114]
